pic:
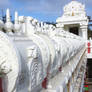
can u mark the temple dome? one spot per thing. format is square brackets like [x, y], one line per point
[74, 8]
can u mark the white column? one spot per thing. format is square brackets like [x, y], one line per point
[8, 19]
[80, 32]
[22, 22]
[84, 30]
[16, 17]
[8, 25]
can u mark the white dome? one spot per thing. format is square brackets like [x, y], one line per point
[74, 8]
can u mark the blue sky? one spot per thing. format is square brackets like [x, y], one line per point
[43, 10]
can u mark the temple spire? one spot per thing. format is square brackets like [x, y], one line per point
[16, 17]
[8, 19]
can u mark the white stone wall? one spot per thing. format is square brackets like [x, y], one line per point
[38, 54]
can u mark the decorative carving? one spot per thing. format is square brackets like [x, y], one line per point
[33, 71]
[8, 61]
[35, 66]
[75, 6]
[4, 69]
[32, 52]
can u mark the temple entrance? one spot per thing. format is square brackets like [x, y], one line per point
[74, 30]
[1, 89]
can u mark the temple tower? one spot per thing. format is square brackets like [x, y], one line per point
[74, 19]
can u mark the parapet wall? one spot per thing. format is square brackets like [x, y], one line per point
[39, 57]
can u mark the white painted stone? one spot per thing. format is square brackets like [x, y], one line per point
[8, 25]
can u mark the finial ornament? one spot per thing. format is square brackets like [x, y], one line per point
[16, 17]
[8, 19]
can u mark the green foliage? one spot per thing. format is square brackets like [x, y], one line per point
[86, 88]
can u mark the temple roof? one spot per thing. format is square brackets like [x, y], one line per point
[73, 10]
[74, 6]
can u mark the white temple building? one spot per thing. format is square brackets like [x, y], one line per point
[74, 19]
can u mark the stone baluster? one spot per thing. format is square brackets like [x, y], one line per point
[8, 24]
[17, 25]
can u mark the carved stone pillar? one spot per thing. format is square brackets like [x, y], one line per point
[84, 31]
